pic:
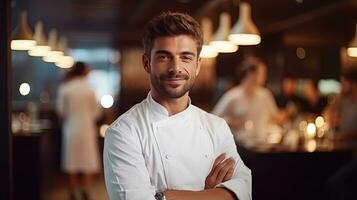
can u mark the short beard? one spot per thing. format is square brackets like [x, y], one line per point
[164, 92]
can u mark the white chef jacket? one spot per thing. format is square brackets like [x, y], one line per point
[146, 151]
[259, 109]
[77, 105]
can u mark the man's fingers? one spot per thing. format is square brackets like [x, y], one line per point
[219, 167]
[224, 170]
[229, 175]
[218, 160]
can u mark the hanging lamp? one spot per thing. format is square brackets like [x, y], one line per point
[208, 51]
[352, 47]
[220, 39]
[245, 32]
[22, 38]
[41, 48]
[64, 61]
[55, 54]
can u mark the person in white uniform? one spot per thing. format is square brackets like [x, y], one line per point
[79, 109]
[249, 106]
[165, 147]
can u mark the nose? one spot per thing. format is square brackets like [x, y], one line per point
[175, 67]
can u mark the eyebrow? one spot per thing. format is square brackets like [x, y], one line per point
[188, 53]
[162, 52]
[169, 53]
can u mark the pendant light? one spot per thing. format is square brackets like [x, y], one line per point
[208, 51]
[64, 61]
[55, 54]
[244, 32]
[41, 48]
[22, 37]
[220, 38]
[352, 47]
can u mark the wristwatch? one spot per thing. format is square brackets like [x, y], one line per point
[160, 195]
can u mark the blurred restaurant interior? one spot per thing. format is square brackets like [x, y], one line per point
[306, 41]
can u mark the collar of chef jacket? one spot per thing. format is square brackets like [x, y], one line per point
[160, 115]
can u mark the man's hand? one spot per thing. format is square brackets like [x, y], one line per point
[222, 170]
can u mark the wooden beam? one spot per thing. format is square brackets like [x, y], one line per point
[5, 103]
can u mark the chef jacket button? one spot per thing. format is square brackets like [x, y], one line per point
[167, 157]
[206, 155]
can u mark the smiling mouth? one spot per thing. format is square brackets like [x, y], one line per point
[174, 82]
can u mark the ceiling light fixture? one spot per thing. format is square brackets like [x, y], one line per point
[220, 38]
[41, 48]
[208, 51]
[245, 32]
[352, 47]
[64, 61]
[22, 37]
[55, 54]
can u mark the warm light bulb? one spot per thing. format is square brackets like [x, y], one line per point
[208, 51]
[107, 101]
[224, 46]
[53, 56]
[24, 89]
[39, 51]
[22, 44]
[311, 130]
[65, 62]
[245, 39]
[319, 121]
[352, 51]
[310, 145]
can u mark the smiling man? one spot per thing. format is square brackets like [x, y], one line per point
[165, 147]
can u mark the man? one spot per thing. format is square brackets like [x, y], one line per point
[343, 114]
[249, 102]
[164, 147]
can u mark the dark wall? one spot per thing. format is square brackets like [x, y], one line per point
[5, 103]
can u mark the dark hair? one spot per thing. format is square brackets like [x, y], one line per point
[78, 69]
[248, 66]
[171, 24]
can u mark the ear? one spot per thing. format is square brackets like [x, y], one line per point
[198, 66]
[146, 62]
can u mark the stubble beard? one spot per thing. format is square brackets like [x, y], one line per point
[168, 91]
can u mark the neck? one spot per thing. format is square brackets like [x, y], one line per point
[172, 105]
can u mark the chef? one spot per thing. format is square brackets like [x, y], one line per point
[165, 147]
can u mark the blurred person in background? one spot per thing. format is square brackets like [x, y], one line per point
[287, 100]
[78, 108]
[315, 103]
[249, 104]
[342, 113]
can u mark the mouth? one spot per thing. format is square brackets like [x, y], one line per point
[174, 82]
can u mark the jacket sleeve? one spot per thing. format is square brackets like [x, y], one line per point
[241, 182]
[126, 175]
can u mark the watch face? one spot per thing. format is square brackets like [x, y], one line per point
[159, 196]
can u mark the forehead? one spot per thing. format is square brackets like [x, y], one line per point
[175, 44]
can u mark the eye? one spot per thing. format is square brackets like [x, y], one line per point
[187, 58]
[162, 57]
